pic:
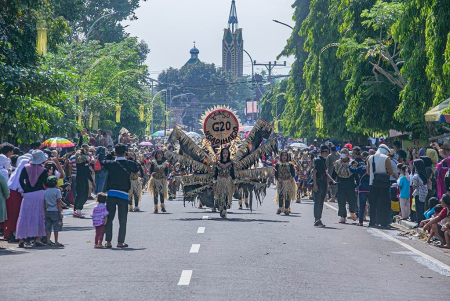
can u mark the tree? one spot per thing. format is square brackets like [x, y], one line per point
[211, 85]
[273, 103]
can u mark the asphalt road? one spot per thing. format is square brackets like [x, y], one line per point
[249, 256]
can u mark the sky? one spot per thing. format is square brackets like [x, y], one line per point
[170, 27]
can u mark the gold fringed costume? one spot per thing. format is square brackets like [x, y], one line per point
[158, 182]
[224, 179]
[286, 186]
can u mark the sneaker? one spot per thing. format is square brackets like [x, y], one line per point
[136, 209]
[286, 212]
[279, 211]
[163, 209]
[353, 216]
[240, 207]
[342, 221]
[319, 223]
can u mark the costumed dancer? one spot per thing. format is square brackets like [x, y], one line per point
[158, 183]
[224, 182]
[286, 186]
[174, 184]
[135, 192]
[304, 172]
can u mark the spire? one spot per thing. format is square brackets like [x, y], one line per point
[233, 19]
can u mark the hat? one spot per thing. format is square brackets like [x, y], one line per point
[349, 146]
[446, 146]
[38, 157]
[324, 148]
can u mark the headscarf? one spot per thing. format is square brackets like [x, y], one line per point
[384, 150]
[3, 166]
[13, 182]
[34, 171]
[419, 166]
[422, 152]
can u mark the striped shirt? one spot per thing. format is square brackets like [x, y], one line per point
[73, 163]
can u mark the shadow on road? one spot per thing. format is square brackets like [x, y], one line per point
[68, 228]
[244, 220]
[128, 249]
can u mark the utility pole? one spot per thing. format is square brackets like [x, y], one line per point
[270, 66]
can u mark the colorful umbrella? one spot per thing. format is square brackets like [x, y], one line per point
[146, 143]
[193, 135]
[58, 142]
[161, 133]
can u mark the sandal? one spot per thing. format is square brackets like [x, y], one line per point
[21, 244]
[123, 246]
[108, 246]
[39, 244]
[51, 244]
[59, 245]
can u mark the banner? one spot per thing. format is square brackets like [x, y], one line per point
[221, 127]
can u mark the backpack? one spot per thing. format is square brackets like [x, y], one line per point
[97, 166]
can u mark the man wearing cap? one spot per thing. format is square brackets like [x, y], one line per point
[320, 177]
[379, 198]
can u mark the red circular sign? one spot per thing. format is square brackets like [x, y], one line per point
[221, 127]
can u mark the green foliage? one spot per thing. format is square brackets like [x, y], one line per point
[273, 103]
[211, 85]
[105, 76]
[391, 66]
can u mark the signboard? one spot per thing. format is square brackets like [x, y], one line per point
[221, 127]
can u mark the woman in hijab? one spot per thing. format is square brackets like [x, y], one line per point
[4, 163]
[31, 221]
[419, 182]
[14, 201]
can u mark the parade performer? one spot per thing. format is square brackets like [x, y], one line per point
[304, 173]
[135, 192]
[286, 186]
[224, 182]
[174, 183]
[158, 183]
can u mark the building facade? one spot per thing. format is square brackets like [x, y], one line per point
[233, 45]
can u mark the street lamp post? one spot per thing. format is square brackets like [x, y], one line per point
[92, 26]
[276, 21]
[253, 76]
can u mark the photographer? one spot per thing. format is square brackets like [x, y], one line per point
[118, 185]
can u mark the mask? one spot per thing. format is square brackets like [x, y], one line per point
[344, 156]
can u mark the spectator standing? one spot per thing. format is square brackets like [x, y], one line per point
[320, 178]
[110, 141]
[379, 198]
[420, 192]
[346, 186]
[14, 201]
[4, 194]
[442, 168]
[118, 185]
[53, 211]
[73, 175]
[394, 163]
[100, 172]
[83, 176]
[31, 221]
[404, 186]
[99, 219]
[331, 159]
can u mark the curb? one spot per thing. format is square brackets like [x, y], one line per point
[406, 224]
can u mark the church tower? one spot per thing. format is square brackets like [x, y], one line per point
[233, 45]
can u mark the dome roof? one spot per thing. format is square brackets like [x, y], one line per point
[194, 50]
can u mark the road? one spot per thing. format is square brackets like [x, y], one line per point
[193, 254]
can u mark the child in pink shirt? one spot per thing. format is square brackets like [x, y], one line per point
[99, 218]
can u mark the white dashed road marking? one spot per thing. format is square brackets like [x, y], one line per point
[195, 248]
[201, 230]
[185, 277]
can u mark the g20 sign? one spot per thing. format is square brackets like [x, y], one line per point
[221, 127]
